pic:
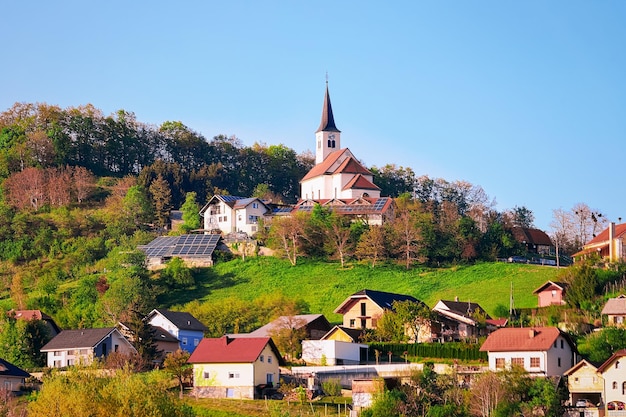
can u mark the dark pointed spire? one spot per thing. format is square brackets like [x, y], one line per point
[328, 121]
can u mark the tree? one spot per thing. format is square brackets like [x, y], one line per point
[161, 200]
[372, 245]
[136, 206]
[288, 333]
[338, 236]
[487, 392]
[175, 364]
[288, 232]
[583, 284]
[142, 337]
[177, 274]
[408, 236]
[414, 315]
[191, 213]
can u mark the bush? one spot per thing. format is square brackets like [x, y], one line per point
[332, 387]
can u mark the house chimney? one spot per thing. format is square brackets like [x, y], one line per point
[456, 298]
[532, 333]
[611, 242]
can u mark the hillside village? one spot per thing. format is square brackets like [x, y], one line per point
[374, 348]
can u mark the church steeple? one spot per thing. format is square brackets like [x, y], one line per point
[328, 121]
[327, 135]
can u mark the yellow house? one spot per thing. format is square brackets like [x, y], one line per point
[586, 389]
[235, 367]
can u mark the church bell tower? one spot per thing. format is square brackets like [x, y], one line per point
[327, 136]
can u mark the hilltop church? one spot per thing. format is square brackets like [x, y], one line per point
[338, 180]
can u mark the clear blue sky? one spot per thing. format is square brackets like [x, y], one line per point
[524, 98]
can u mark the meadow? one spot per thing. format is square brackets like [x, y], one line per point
[324, 285]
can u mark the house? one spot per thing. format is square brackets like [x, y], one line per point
[334, 352]
[314, 325]
[343, 334]
[51, 326]
[615, 310]
[534, 240]
[363, 309]
[551, 293]
[164, 341]
[233, 214]
[461, 320]
[12, 378]
[585, 386]
[541, 351]
[239, 367]
[613, 371]
[608, 245]
[75, 347]
[195, 250]
[181, 325]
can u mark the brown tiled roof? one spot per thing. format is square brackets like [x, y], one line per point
[531, 236]
[521, 339]
[361, 183]
[232, 350]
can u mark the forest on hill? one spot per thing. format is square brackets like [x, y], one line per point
[81, 190]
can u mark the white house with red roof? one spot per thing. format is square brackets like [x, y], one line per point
[541, 351]
[608, 244]
[235, 367]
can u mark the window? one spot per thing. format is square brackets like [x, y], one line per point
[232, 375]
[352, 323]
[269, 378]
[617, 364]
[623, 388]
[576, 380]
[205, 375]
[225, 218]
[561, 343]
[262, 358]
[184, 341]
[269, 359]
[553, 293]
[219, 219]
[517, 361]
[196, 341]
[614, 385]
[534, 363]
[555, 343]
[239, 217]
[255, 205]
[499, 363]
[70, 362]
[116, 348]
[363, 309]
[558, 362]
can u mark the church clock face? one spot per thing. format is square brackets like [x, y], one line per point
[331, 136]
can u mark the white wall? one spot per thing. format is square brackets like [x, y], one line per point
[332, 350]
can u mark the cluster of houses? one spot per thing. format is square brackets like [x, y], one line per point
[241, 365]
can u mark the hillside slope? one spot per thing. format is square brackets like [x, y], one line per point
[325, 285]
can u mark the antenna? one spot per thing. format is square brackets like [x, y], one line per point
[511, 302]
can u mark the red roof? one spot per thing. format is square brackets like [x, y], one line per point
[352, 166]
[603, 236]
[324, 166]
[521, 339]
[360, 182]
[228, 349]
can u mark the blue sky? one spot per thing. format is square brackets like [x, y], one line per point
[526, 99]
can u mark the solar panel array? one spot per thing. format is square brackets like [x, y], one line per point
[374, 208]
[183, 246]
[230, 198]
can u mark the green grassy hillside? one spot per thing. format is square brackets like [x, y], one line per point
[325, 285]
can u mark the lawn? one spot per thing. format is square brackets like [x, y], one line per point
[324, 285]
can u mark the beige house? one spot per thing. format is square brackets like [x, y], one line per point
[608, 244]
[615, 310]
[586, 390]
[363, 309]
[613, 371]
[239, 367]
[12, 378]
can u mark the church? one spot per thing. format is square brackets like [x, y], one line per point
[338, 180]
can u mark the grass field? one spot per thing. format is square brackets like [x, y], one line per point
[324, 285]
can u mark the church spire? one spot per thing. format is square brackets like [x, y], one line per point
[328, 121]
